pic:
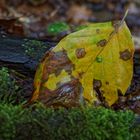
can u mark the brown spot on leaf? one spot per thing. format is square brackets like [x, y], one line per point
[55, 62]
[68, 95]
[102, 43]
[97, 31]
[97, 83]
[80, 53]
[107, 83]
[125, 55]
[80, 74]
[115, 24]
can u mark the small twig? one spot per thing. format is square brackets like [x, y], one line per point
[118, 26]
[124, 17]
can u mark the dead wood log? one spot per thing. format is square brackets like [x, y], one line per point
[13, 54]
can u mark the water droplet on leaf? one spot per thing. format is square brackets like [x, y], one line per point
[99, 59]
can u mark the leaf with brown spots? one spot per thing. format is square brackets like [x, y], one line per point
[80, 53]
[88, 65]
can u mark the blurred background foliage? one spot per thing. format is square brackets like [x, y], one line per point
[45, 18]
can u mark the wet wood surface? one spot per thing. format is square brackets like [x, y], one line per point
[13, 56]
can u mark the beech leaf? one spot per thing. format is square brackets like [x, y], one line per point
[89, 66]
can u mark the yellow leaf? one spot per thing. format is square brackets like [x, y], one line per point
[92, 65]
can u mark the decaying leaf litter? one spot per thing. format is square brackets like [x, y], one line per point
[35, 21]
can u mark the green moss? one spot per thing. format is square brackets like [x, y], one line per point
[57, 27]
[9, 90]
[73, 124]
[34, 48]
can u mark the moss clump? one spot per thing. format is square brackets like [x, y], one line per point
[8, 87]
[34, 48]
[57, 27]
[73, 124]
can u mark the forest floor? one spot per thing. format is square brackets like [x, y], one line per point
[33, 19]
